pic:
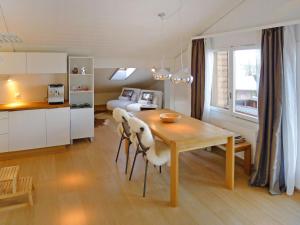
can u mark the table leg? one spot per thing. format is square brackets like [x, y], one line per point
[174, 175]
[247, 161]
[230, 163]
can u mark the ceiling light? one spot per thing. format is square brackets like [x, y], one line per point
[122, 73]
[162, 73]
[182, 76]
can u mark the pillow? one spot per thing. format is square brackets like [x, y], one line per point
[127, 93]
[147, 96]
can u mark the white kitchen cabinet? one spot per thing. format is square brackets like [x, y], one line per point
[4, 132]
[82, 123]
[58, 126]
[46, 63]
[4, 143]
[3, 126]
[13, 63]
[27, 129]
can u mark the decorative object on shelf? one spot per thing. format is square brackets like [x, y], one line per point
[183, 75]
[169, 117]
[162, 73]
[82, 70]
[75, 70]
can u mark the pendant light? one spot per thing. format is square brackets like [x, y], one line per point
[162, 73]
[182, 76]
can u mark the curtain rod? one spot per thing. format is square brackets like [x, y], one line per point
[287, 23]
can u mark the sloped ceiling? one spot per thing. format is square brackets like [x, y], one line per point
[120, 29]
[257, 13]
[141, 78]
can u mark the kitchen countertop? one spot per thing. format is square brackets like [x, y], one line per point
[18, 106]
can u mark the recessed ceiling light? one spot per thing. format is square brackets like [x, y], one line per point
[9, 38]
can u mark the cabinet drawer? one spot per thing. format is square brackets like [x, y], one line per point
[4, 143]
[3, 126]
[3, 115]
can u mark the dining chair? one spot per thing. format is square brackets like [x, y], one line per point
[154, 151]
[123, 129]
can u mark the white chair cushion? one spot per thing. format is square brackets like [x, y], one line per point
[112, 104]
[135, 107]
[159, 154]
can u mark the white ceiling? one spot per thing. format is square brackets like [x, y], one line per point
[140, 78]
[107, 28]
[258, 13]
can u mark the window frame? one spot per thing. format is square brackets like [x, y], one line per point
[231, 83]
[213, 107]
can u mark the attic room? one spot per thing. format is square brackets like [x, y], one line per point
[149, 112]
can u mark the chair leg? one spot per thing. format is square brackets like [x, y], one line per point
[119, 150]
[159, 169]
[145, 179]
[136, 153]
[127, 158]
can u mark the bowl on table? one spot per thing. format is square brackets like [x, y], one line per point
[170, 117]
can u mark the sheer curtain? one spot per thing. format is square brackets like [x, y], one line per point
[209, 65]
[291, 106]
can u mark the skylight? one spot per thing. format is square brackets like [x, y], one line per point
[122, 73]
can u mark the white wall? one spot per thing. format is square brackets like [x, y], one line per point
[103, 98]
[32, 88]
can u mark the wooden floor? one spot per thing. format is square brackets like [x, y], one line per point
[82, 185]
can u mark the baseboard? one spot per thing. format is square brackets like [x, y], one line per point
[32, 152]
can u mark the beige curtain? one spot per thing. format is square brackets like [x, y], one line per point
[269, 163]
[198, 72]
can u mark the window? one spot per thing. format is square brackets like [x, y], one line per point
[235, 81]
[246, 77]
[122, 73]
[219, 96]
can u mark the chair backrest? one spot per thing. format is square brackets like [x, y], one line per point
[141, 133]
[119, 114]
[126, 127]
[122, 117]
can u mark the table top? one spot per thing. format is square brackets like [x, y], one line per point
[18, 106]
[188, 133]
[9, 173]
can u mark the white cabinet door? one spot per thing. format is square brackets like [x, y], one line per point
[3, 126]
[47, 63]
[27, 129]
[12, 63]
[4, 143]
[82, 123]
[58, 126]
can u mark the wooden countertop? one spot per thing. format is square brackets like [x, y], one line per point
[18, 106]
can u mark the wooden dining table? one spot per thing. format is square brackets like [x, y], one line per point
[189, 134]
